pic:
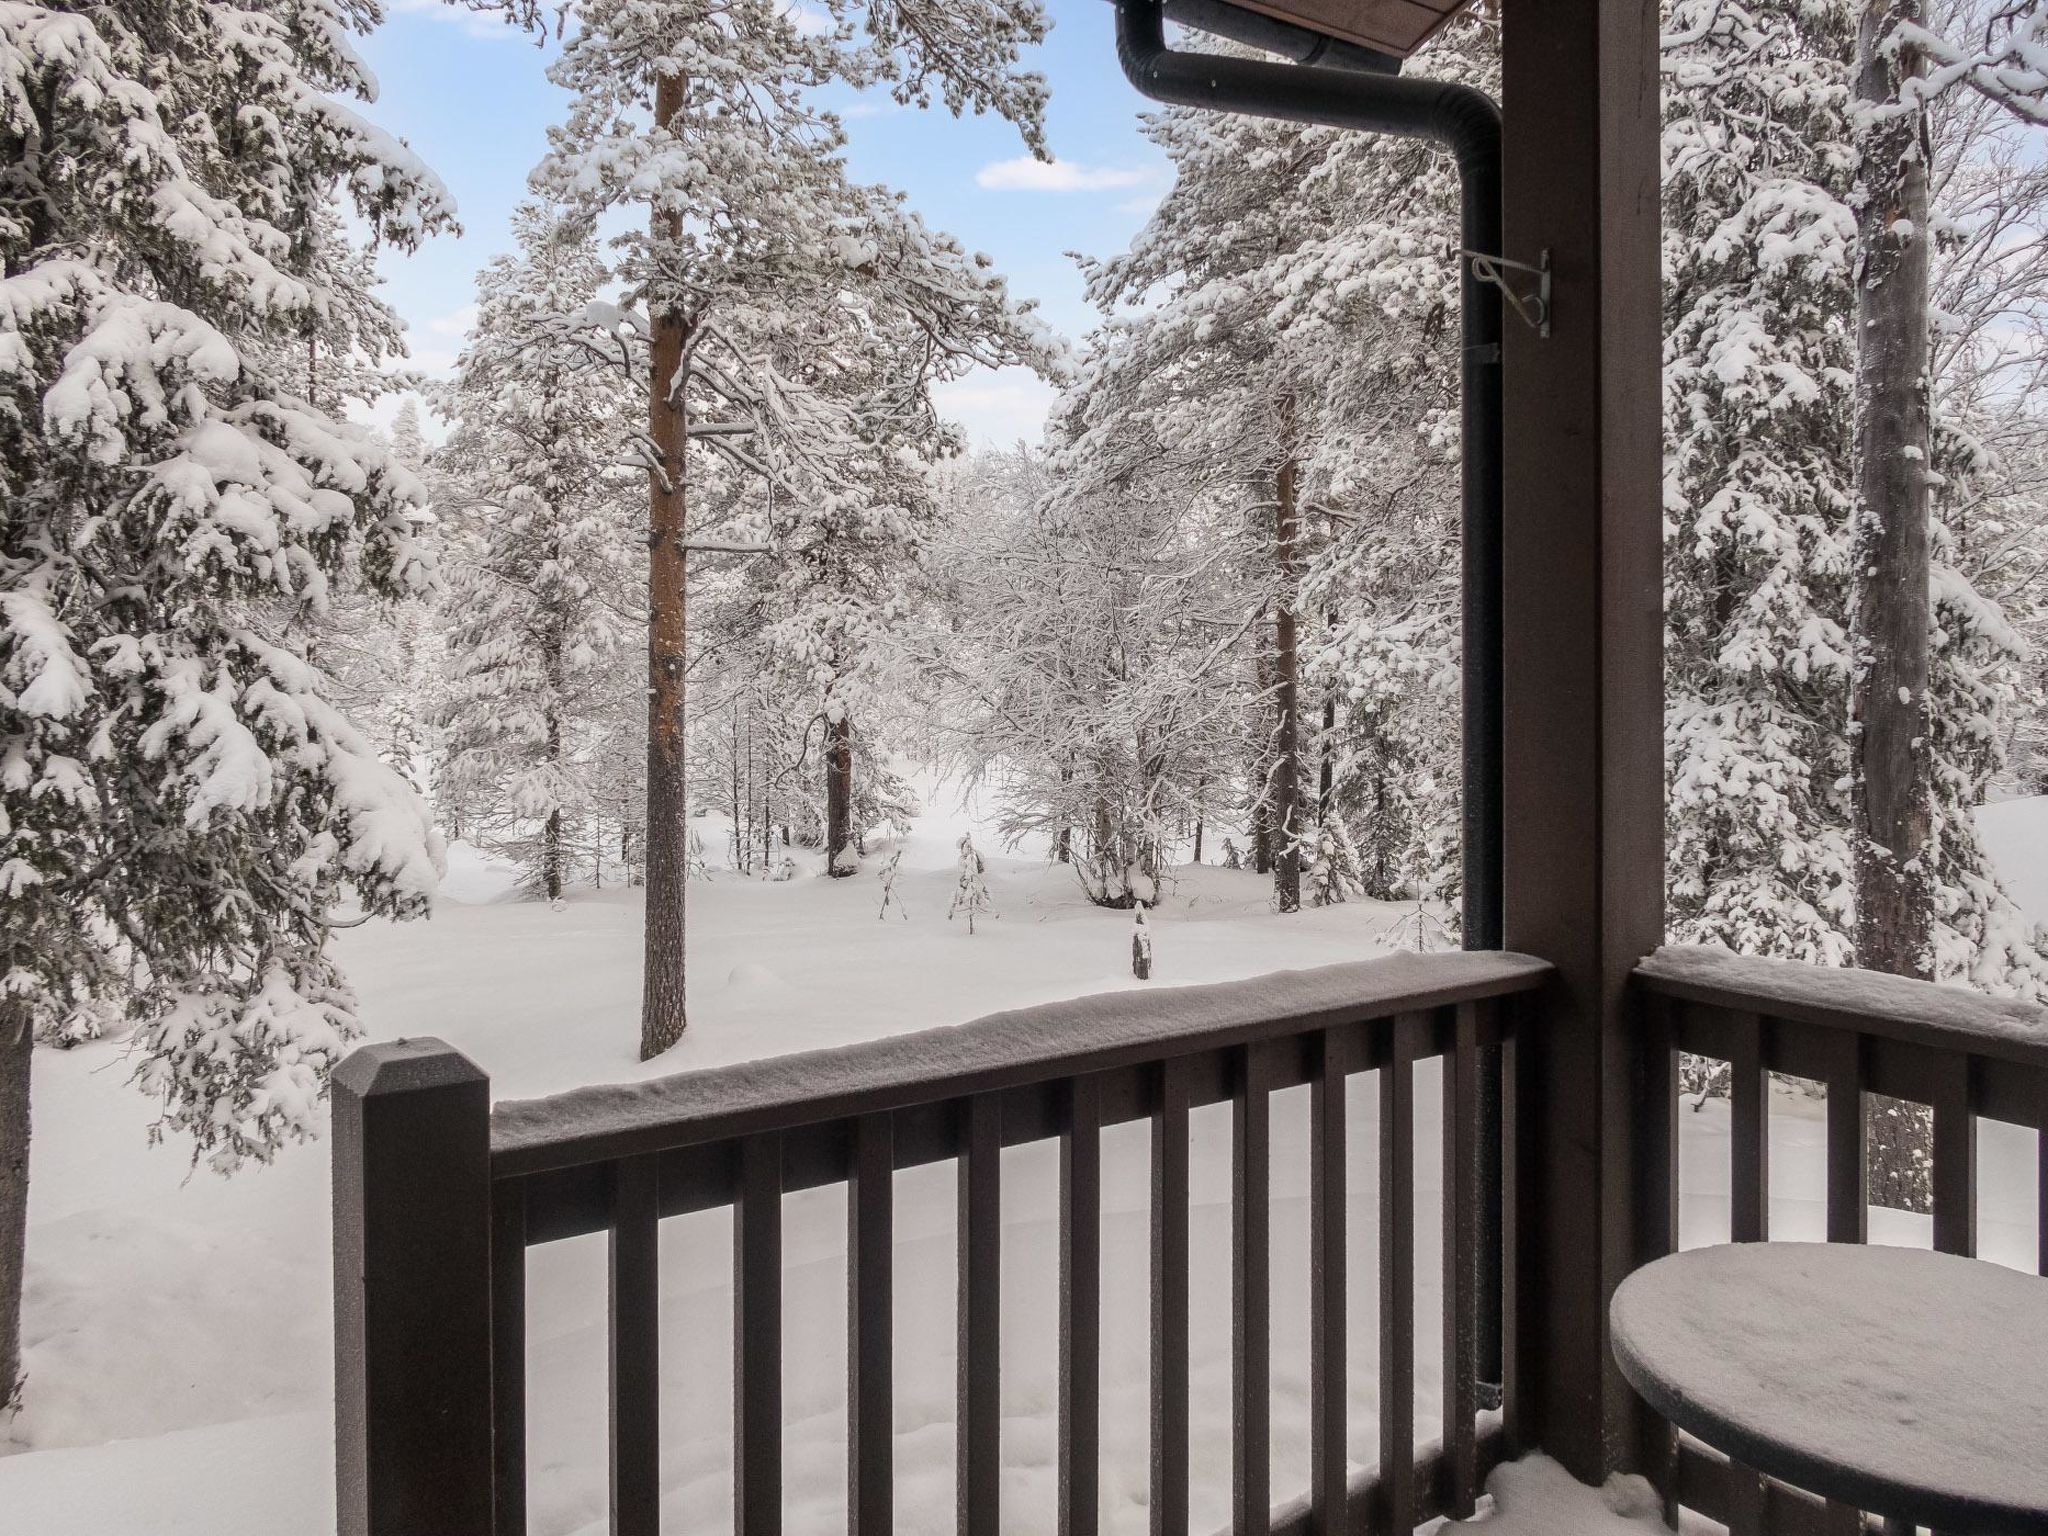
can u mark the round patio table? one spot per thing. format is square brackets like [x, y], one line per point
[1909, 1384]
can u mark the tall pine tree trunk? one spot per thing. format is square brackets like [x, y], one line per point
[662, 1015]
[1287, 665]
[1262, 767]
[1890, 606]
[551, 852]
[839, 857]
[16, 1046]
[1326, 778]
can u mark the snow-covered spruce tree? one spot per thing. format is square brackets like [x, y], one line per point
[1765, 178]
[1759, 358]
[1335, 874]
[180, 803]
[746, 199]
[542, 569]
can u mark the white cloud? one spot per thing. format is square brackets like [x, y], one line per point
[998, 409]
[1025, 174]
[457, 322]
[480, 24]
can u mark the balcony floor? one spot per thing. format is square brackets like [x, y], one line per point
[1537, 1497]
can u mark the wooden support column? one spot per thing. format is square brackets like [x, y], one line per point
[1584, 683]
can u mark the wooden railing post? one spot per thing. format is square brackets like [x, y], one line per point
[1583, 716]
[412, 1292]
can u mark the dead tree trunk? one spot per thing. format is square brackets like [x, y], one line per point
[662, 1008]
[1890, 614]
[839, 855]
[1287, 692]
[16, 1047]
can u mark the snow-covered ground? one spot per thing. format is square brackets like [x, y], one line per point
[177, 1327]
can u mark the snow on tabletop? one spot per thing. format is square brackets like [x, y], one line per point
[1869, 994]
[1897, 1362]
[1100, 1023]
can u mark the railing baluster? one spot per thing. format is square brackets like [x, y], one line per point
[757, 1339]
[1955, 1160]
[635, 1349]
[1250, 1291]
[508, 1356]
[1169, 1494]
[1396, 1512]
[1848, 1170]
[2041, 1199]
[1657, 1175]
[978, 1449]
[1513, 1367]
[1749, 1156]
[1746, 1509]
[1841, 1520]
[1080, 1308]
[1329, 1427]
[1461, 1264]
[870, 1394]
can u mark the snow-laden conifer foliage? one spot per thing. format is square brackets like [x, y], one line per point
[1759, 357]
[541, 561]
[1763, 261]
[181, 803]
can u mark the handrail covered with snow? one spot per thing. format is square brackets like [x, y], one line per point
[1870, 1002]
[1047, 1043]
[438, 1199]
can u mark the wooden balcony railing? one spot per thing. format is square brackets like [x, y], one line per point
[438, 1200]
[1965, 1056]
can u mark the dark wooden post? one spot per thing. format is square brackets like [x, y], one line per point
[412, 1292]
[1584, 682]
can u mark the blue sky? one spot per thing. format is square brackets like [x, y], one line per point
[472, 98]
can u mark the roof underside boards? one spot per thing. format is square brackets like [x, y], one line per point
[1397, 27]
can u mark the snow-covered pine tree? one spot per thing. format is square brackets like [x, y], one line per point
[543, 568]
[1301, 284]
[1759, 359]
[181, 803]
[739, 176]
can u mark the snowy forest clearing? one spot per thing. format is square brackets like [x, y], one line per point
[143, 1283]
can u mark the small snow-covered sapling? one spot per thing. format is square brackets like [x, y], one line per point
[970, 892]
[889, 896]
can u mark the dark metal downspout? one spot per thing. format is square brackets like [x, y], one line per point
[1467, 122]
